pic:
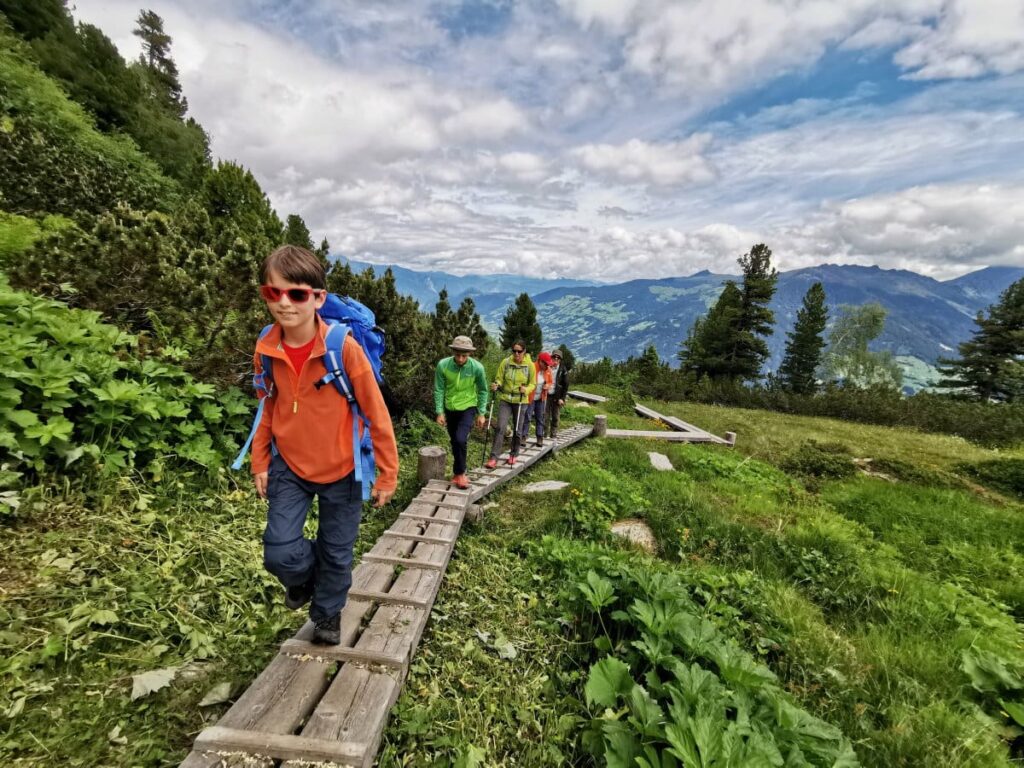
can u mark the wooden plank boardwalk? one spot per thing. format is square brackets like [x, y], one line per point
[656, 434]
[329, 704]
[586, 396]
[689, 433]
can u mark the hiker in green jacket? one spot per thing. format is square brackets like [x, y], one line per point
[460, 396]
[513, 384]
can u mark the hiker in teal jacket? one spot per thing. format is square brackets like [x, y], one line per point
[513, 384]
[460, 395]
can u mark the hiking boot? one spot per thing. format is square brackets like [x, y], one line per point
[491, 463]
[296, 597]
[540, 442]
[511, 461]
[327, 631]
[460, 481]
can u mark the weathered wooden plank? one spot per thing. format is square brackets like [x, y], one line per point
[408, 562]
[303, 648]
[445, 486]
[418, 537]
[429, 518]
[442, 504]
[386, 598]
[281, 746]
[586, 396]
[678, 437]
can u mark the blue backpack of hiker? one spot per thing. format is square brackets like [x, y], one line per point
[345, 316]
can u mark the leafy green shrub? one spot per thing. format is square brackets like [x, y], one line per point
[820, 460]
[1006, 475]
[670, 688]
[607, 497]
[73, 392]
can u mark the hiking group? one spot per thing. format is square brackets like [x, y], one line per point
[526, 391]
[322, 428]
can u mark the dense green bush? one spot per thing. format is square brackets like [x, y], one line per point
[54, 159]
[1003, 474]
[73, 391]
[821, 460]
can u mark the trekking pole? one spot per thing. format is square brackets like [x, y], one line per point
[487, 429]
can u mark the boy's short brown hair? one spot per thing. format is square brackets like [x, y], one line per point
[296, 265]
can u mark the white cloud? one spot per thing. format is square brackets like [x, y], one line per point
[638, 161]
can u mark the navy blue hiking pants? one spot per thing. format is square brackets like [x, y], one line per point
[295, 559]
[459, 424]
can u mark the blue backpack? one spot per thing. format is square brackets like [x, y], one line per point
[345, 316]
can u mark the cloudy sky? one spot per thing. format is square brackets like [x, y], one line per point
[614, 140]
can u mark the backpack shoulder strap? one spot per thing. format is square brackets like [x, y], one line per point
[362, 445]
[263, 383]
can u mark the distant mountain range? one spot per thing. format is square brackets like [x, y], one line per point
[927, 318]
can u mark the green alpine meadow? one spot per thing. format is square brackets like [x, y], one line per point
[814, 559]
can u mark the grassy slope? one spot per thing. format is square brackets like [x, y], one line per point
[860, 594]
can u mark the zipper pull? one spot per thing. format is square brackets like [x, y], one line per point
[295, 405]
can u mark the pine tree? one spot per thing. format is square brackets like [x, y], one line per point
[803, 349]
[755, 320]
[467, 323]
[991, 363]
[297, 233]
[443, 321]
[520, 322]
[568, 358]
[157, 63]
[848, 358]
[708, 349]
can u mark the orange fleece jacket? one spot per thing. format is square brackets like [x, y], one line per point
[312, 428]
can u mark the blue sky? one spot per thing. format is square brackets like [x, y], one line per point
[614, 140]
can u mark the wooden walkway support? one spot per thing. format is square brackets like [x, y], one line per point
[316, 703]
[586, 396]
[689, 433]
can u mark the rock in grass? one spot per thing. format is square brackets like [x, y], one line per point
[545, 485]
[638, 532]
[660, 462]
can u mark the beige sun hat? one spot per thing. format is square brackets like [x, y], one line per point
[463, 344]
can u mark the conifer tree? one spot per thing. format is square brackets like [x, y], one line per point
[708, 349]
[297, 233]
[157, 63]
[520, 322]
[443, 321]
[755, 320]
[568, 358]
[803, 349]
[991, 363]
[467, 323]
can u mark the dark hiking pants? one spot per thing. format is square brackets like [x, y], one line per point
[508, 412]
[293, 559]
[459, 424]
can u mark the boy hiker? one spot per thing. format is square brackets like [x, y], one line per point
[303, 446]
[460, 396]
[543, 383]
[513, 383]
[556, 399]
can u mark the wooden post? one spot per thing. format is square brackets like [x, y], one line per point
[432, 463]
[474, 513]
[730, 438]
[600, 425]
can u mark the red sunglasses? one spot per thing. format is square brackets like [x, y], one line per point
[295, 295]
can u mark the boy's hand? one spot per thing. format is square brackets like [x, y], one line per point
[380, 498]
[260, 478]
[494, 387]
[480, 421]
[441, 419]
